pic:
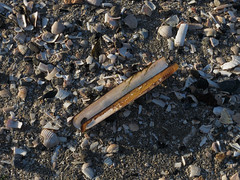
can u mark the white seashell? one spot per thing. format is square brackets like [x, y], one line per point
[33, 18]
[233, 63]
[93, 146]
[181, 34]
[89, 60]
[165, 31]
[4, 93]
[225, 117]
[95, 2]
[57, 27]
[19, 151]
[150, 5]
[66, 104]
[22, 93]
[44, 22]
[61, 94]
[131, 21]
[170, 44]
[106, 38]
[49, 37]
[113, 57]
[10, 123]
[87, 170]
[113, 148]
[51, 75]
[172, 21]
[108, 161]
[189, 82]
[21, 19]
[50, 139]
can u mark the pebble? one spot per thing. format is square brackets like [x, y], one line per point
[131, 21]
[194, 171]
[214, 42]
[205, 128]
[94, 146]
[57, 27]
[133, 127]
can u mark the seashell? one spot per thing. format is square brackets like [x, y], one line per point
[131, 21]
[22, 93]
[87, 170]
[194, 26]
[107, 5]
[181, 34]
[94, 146]
[95, 2]
[10, 123]
[61, 94]
[89, 60]
[214, 147]
[57, 27]
[21, 19]
[20, 37]
[49, 37]
[172, 21]
[150, 5]
[108, 161]
[50, 139]
[33, 18]
[112, 100]
[66, 104]
[146, 10]
[165, 31]
[112, 57]
[44, 22]
[233, 63]
[51, 126]
[4, 93]
[214, 42]
[170, 44]
[43, 67]
[210, 32]
[113, 148]
[19, 151]
[225, 117]
[72, 1]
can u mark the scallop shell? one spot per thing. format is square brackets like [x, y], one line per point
[57, 27]
[113, 148]
[87, 170]
[50, 139]
[165, 31]
[22, 93]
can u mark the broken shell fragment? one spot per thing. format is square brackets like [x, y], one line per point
[33, 18]
[4, 93]
[22, 93]
[123, 94]
[52, 74]
[113, 148]
[21, 19]
[62, 94]
[181, 34]
[95, 2]
[146, 10]
[233, 63]
[19, 151]
[50, 139]
[10, 123]
[165, 31]
[57, 27]
[225, 117]
[87, 170]
[49, 37]
[72, 1]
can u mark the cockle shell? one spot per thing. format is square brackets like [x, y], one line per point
[165, 31]
[22, 93]
[50, 139]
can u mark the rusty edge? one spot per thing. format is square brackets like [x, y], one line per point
[131, 96]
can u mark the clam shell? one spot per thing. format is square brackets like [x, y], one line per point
[113, 148]
[165, 31]
[229, 65]
[57, 27]
[22, 93]
[87, 170]
[50, 139]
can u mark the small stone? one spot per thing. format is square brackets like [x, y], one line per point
[93, 146]
[194, 171]
[178, 165]
[225, 117]
[133, 127]
[57, 27]
[220, 157]
[205, 128]
[235, 176]
[229, 153]
[131, 21]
